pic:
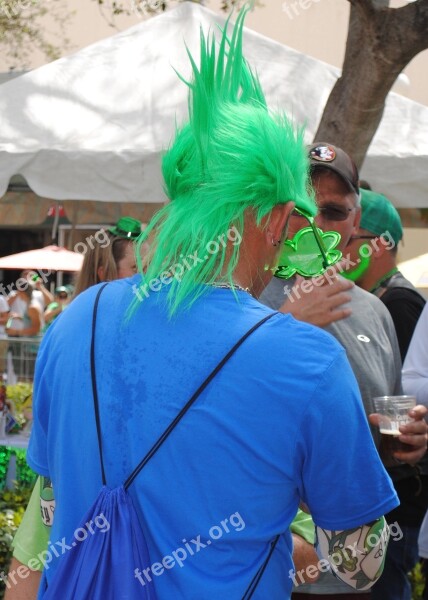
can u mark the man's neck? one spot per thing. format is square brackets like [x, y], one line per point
[254, 279]
[376, 276]
[254, 267]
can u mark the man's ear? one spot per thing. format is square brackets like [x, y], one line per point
[276, 230]
[357, 219]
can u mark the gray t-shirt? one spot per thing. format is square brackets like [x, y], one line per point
[369, 338]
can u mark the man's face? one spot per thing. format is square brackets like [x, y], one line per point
[355, 244]
[337, 206]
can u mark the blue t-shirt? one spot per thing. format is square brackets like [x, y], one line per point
[282, 422]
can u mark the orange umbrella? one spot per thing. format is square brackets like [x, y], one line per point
[52, 258]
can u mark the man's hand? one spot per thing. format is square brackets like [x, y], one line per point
[414, 434]
[320, 300]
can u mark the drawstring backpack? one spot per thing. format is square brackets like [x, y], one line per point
[102, 565]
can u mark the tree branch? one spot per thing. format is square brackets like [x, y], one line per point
[366, 6]
[401, 32]
[381, 42]
[411, 24]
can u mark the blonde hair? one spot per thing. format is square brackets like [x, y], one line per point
[101, 257]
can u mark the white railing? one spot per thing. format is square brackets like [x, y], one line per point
[18, 357]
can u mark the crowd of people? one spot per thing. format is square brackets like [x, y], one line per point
[282, 445]
[373, 333]
[28, 311]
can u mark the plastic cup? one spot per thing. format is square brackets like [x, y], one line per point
[393, 412]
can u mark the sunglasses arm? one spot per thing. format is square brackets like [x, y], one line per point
[310, 219]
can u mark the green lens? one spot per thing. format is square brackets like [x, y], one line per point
[357, 272]
[310, 252]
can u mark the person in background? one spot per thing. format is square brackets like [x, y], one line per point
[62, 297]
[25, 321]
[375, 247]
[70, 288]
[112, 260]
[26, 316]
[116, 260]
[366, 331]
[40, 292]
[423, 552]
[4, 314]
[415, 367]
[415, 383]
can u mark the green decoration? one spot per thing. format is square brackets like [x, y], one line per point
[357, 272]
[19, 398]
[12, 507]
[24, 475]
[4, 464]
[309, 253]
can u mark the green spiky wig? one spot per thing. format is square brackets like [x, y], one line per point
[231, 156]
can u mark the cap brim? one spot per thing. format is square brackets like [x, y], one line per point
[314, 165]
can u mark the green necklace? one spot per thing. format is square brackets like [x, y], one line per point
[382, 280]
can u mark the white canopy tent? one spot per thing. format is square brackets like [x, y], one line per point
[93, 125]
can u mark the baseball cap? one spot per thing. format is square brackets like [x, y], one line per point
[379, 215]
[326, 156]
[62, 289]
[126, 227]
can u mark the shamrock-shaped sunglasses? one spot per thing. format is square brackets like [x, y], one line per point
[310, 252]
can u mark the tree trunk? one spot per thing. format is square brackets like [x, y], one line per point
[381, 42]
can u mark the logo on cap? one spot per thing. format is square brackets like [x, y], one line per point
[323, 153]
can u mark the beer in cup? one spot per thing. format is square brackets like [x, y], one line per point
[393, 412]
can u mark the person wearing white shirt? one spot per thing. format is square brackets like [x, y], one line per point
[4, 315]
[423, 552]
[415, 368]
[415, 383]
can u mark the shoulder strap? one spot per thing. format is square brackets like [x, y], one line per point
[256, 579]
[94, 382]
[182, 412]
[186, 407]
